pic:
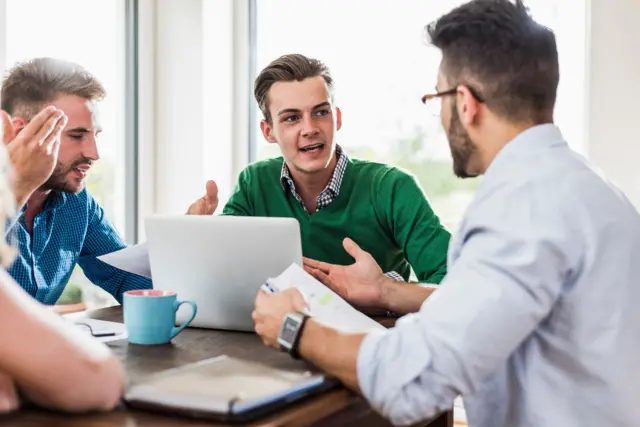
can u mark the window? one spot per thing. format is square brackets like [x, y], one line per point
[90, 33]
[381, 67]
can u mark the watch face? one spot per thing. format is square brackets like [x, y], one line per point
[289, 329]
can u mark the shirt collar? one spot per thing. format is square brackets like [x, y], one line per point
[56, 200]
[534, 139]
[336, 179]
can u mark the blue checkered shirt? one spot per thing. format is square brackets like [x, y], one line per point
[71, 229]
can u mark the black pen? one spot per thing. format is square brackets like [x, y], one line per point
[104, 334]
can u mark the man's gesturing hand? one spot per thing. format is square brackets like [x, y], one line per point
[33, 150]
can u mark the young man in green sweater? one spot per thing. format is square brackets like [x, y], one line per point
[332, 196]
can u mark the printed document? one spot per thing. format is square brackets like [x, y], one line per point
[326, 307]
[133, 259]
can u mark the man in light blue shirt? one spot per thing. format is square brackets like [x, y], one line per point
[535, 323]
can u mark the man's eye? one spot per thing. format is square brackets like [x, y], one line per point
[324, 112]
[291, 119]
[76, 137]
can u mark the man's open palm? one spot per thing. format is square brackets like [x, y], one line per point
[359, 283]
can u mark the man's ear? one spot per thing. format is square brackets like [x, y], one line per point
[267, 131]
[338, 118]
[18, 124]
[467, 104]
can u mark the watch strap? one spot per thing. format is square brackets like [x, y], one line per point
[295, 348]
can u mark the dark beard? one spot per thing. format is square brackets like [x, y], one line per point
[462, 148]
[58, 181]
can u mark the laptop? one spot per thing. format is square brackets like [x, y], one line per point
[220, 262]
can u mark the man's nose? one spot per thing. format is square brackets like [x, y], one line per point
[309, 126]
[90, 149]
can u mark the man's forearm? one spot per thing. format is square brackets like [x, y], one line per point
[404, 298]
[332, 351]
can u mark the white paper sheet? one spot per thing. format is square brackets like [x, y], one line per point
[326, 306]
[101, 326]
[133, 259]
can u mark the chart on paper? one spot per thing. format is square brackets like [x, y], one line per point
[326, 306]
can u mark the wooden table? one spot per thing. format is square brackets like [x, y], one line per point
[335, 408]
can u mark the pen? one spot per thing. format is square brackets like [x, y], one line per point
[96, 334]
[104, 334]
[268, 287]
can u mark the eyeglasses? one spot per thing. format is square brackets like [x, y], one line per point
[439, 95]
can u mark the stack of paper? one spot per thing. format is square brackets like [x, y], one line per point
[326, 307]
[133, 259]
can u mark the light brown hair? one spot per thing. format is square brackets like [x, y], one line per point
[30, 85]
[288, 68]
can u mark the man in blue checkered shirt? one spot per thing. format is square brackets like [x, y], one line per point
[59, 224]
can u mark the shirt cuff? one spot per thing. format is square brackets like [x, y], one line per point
[366, 363]
[398, 278]
[394, 275]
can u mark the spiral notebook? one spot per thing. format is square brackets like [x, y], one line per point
[225, 388]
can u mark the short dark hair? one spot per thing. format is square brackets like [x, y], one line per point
[288, 68]
[30, 85]
[496, 47]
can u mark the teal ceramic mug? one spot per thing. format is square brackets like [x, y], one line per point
[150, 315]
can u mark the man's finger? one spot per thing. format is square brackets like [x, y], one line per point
[34, 126]
[325, 279]
[298, 300]
[353, 249]
[7, 128]
[319, 265]
[260, 297]
[53, 138]
[308, 269]
[212, 192]
[48, 128]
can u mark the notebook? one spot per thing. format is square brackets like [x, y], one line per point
[226, 389]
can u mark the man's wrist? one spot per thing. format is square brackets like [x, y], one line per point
[387, 289]
[22, 193]
[291, 332]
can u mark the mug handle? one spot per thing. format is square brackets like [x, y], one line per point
[176, 330]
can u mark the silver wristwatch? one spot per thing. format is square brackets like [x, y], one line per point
[290, 333]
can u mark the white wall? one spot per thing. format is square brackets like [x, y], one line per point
[193, 100]
[613, 108]
[199, 123]
[147, 112]
[178, 102]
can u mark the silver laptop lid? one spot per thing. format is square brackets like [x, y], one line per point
[220, 262]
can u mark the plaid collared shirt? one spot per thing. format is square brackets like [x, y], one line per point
[330, 192]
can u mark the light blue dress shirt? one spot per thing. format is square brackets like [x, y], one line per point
[537, 322]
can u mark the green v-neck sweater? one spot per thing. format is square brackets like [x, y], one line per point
[382, 208]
